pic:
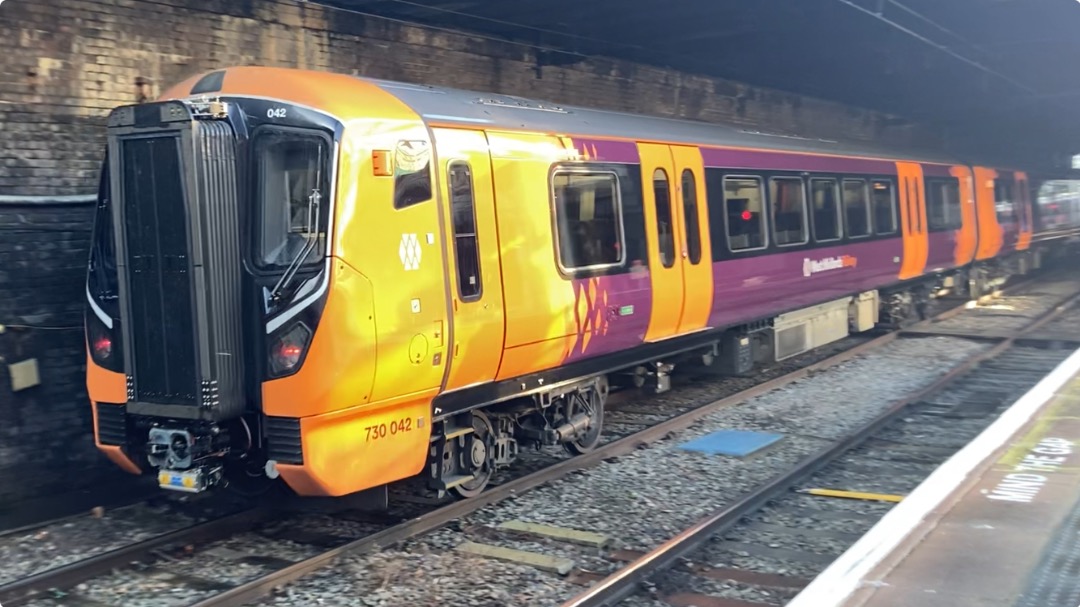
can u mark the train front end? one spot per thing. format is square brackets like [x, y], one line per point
[207, 278]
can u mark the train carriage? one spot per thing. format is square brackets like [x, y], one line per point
[342, 282]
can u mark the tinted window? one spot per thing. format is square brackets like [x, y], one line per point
[587, 216]
[788, 210]
[744, 207]
[943, 205]
[102, 278]
[825, 198]
[856, 208]
[690, 212]
[664, 228]
[412, 173]
[465, 245]
[884, 209]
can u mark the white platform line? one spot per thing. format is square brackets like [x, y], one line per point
[836, 584]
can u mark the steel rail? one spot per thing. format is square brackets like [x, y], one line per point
[619, 585]
[265, 585]
[41, 584]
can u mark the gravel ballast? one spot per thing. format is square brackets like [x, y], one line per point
[641, 499]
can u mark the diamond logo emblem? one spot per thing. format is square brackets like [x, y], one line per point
[409, 252]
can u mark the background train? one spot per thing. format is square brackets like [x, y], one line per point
[341, 282]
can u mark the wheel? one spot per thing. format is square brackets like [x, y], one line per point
[476, 459]
[592, 405]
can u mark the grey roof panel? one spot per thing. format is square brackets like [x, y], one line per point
[495, 111]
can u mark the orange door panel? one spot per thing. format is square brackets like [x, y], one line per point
[991, 237]
[695, 254]
[912, 196]
[968, 236]
[662, 235]
[475, 279]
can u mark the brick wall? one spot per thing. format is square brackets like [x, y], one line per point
[67, 62]
[45, 447]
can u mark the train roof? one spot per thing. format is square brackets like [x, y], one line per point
[446, 105]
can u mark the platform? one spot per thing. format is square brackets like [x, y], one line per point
[997, 525]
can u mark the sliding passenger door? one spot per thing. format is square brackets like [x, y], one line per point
[663, 233]
[468, 199]
[696, 252]
[912, 194]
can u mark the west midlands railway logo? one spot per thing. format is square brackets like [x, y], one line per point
[811, 267]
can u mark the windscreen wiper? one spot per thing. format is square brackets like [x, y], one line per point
[294, 266]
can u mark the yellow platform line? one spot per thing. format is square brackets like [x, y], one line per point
[853, 495]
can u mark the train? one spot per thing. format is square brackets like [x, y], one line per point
[332, 283]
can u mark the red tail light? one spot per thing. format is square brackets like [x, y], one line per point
[287, 355]
[287, 350]
[102, 347]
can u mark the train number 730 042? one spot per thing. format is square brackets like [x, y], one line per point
[383, 430]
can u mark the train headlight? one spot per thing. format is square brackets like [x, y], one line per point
[288, 349]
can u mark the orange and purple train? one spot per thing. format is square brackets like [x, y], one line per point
[339, 282]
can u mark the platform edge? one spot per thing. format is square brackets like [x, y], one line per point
[838, 582]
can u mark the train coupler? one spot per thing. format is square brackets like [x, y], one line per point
[195, 480]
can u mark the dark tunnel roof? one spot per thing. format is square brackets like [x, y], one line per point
[969, 66]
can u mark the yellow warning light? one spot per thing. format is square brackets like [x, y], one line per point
[381, 164]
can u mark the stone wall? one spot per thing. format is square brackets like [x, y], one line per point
[67, 62]
[45, 442]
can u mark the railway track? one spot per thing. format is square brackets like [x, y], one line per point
[774, 540]
[290, 550]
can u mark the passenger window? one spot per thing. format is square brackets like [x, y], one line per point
[412, 173]
[856, 208]
[826, 200]
[1003, 201]
[690, 212]
[587, 215]
[463, 210]
[744, 204]
[884, 207]
[943, 205]
[664, 227]
[788, 210]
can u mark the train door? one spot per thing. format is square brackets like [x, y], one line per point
[1007, 209]
[696, 253]
[468, 204]
[990, 232]
[912, 195]
[663, 232]
[968, 237]
[1023, 211]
